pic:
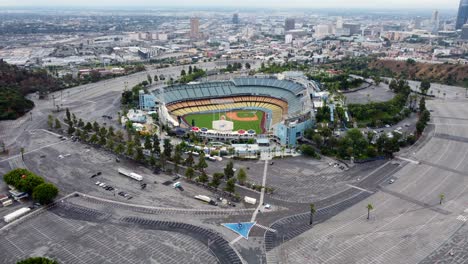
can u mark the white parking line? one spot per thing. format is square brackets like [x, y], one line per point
[408, 160]
[266, 228]
[235, 240]
[46, 146]
[359, 188]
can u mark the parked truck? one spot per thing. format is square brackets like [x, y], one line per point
[206, 199]
[16, 214]
[130, 174]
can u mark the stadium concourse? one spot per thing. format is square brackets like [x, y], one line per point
[286, 105]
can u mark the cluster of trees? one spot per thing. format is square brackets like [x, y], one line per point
[130, 98]
[354, 144]
[377, 114]
[424, 117]
[94, 76]
[13, 104]
[192, 75]
[278, 67]
[31, 183]
[336, 82]
[235, 67]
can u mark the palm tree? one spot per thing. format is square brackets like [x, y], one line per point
[22, 153]
[369, 208]
[441, 197]
[312, 212]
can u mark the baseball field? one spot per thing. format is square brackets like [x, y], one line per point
[243, 119]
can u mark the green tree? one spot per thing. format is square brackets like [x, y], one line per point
[183, 73]
[57, 124]
[110, 144]
[28, 182]
[14, 177]
[50, 121]
[425, 86]
[139, 154]
[203, 178]
[94, 139]
[67, 112]
[71, 129]
[189, 160]
[45, 193]
[120, 148]
[96, 127]
[189, 173]
[202, 165]
[241, 176]
[312, 212]
[150, 80]
[81, 123]
[22, 153]
[148, 144]
[156, 145]
[88, 127]
[216, 180]
[422, 104]
[130, 148]
[167, 147]
[37, 260]
[441, 198]
[119, 135]
[229, 170]
[230, 185]
[369, 208]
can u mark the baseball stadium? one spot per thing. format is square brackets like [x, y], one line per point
[243, 107]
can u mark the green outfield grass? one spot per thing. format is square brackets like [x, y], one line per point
[205, 120]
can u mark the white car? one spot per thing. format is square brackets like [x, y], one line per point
[98, 182]
[387, 126]
[391, 181]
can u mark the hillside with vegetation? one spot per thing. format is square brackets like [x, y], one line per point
[16, 83]
[372, 66]
[451, 74]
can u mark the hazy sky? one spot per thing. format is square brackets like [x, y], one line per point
[425, 4]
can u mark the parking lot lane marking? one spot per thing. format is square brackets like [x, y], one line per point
[266, 228]
[19, 155]
[235, 240]
[408, 160]
[262, 193]
[40, 232]
[359, 188]
[6, 238]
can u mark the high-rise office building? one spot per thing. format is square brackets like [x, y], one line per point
[462, 17]
[289, 24]
[194, 28]
[435, 21]
[464, 34]
[235, 19]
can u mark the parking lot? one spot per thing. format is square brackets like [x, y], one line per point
[75, 241]
[71, 165]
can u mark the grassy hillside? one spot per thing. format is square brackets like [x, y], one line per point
[451, 74]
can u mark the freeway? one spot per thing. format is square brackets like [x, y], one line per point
[407, 224]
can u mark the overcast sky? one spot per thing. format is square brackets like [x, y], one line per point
[394, 4]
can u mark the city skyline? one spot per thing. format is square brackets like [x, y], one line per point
[378, 4]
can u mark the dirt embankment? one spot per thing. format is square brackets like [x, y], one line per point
[452, 74]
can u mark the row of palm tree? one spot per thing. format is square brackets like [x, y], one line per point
[369, 208]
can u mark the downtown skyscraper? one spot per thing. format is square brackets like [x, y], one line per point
[462, 16]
